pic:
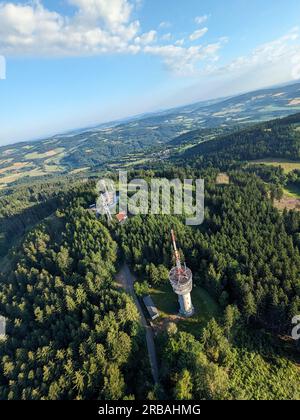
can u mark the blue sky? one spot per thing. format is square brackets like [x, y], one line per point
[74, 63]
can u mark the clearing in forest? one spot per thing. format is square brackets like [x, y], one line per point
[287, 165]
[290, 199]
[223, 179]
[166, 302]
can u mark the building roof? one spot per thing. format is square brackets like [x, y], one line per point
[153, 312]
[121, 217]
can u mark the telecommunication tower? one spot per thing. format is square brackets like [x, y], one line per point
[105, 202]
[108, 201]
[181, 279]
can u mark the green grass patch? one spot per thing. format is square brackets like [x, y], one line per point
[45, 155]
[206, 308]
[188, 146]
[135, 162]
[286, 165]
[292, 190]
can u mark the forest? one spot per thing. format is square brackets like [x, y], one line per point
[72, 333]
[243, 253]
[276, 139]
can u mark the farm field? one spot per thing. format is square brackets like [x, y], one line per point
[286, 165]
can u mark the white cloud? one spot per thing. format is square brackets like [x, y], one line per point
[167, 37]
[278, 52]
[112, 13]
[201, 19]
[96, 27]
[274, 62]
[147, 38]
[185, 61]
[25, 20]
[108, 27]
[165, 25]
[199, 33]
[180, 42]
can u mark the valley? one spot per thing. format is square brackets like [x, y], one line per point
[133, 141]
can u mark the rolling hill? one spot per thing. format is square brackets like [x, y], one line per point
[278, 138]
[81, 151]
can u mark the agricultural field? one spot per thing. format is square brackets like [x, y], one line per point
[79, 170]
[286, 165]
[25, 162]
[48, 154]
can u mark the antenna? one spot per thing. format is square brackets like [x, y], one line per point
[181, 279]
[176, 253]
[106, 202]
[106, 207]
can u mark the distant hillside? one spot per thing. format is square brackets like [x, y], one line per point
[84, 150]
[278, 138]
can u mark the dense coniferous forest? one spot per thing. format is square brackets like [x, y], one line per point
[247, 256]
[24, 206]
[245, 253]
[275, 139]
[72, 333]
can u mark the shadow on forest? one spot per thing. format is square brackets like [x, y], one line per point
[12, 228]
[268, 345]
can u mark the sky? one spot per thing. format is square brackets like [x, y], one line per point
[78, 63]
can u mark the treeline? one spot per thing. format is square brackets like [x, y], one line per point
[275, 176]
[70, 333]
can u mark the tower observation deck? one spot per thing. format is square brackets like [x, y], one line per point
[181, 279]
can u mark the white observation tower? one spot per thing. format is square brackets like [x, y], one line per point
[181, 279]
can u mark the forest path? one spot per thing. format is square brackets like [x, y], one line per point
[126, 280]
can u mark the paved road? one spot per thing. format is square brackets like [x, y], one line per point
[126, 280]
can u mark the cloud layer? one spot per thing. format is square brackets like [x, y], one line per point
[95, 27]
[273, 62]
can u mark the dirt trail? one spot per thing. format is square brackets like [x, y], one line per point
[126, 280]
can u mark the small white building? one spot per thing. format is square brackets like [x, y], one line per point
[151, 308]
